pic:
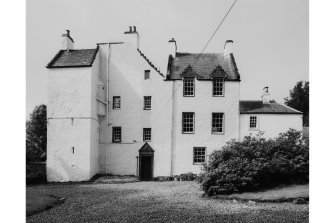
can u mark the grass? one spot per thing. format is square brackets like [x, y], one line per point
[155, 202]
[278, 194]
[40, 203]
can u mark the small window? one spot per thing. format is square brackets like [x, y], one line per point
[188, 86]
[199, 155]
[147, 102]
[116, 134]
[147, 134]
[253, 122]
[116, 102]
[146, 74]
[218, 87]
[217, 123]
[188, 122]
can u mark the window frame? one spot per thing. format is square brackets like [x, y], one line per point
[115, 108]
[144, 135]
[257, 120]
[147, 72]
[113, 134]
[205, 155]
[213, 87]
[144, 104]
[182, 125]
[223, 124]
[184, 88]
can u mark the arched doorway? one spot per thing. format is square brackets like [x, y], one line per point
[146, 162]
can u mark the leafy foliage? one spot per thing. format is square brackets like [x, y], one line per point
[299, 99]
[36, 134]
[256, 163]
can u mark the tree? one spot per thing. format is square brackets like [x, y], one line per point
[299, 99]
[36, 134]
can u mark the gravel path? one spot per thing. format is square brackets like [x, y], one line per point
[155, 202]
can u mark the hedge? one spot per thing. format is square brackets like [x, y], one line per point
[255, 163]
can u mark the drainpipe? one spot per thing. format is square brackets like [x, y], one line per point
[173, 129]
[107, 115]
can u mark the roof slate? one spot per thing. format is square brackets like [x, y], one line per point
[257, 107]
[73, 58]
[205, 65]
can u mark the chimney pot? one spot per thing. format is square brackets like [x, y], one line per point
[134, 28]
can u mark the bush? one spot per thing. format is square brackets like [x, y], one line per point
[256, 163]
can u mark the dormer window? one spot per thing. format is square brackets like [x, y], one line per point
[146, 74]
[218, 87]
[188, 86]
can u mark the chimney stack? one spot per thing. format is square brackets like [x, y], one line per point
[67, 41]
[132, 37]
[228, 48]
[172, 47]
[266, 95]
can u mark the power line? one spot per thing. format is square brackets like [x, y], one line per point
[214, 32]
[174, 91]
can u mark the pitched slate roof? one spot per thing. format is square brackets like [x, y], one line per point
[206, 65]
[146, 148]
[73, 58]
[257, 107]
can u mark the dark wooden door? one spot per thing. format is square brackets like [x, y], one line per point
[146, 167]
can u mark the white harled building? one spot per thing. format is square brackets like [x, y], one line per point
[112, 111]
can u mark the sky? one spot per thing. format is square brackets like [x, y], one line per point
[270, 36]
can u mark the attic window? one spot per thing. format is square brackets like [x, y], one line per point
[146, 74]
[188, 86]
[218, 87]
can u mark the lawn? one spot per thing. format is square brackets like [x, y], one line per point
[278, 194]
[154, 202]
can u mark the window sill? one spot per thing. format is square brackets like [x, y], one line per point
[254, 129]
[198, 163]
[147, 109]
[116, 108]
[217, 133]
[189, 95]
[187, 133]
[222, 96]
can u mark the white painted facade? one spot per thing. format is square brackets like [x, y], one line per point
[80, 143]
[270, 124]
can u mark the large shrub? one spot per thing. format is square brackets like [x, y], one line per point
[256, 163]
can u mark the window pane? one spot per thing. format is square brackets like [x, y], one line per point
[188, 122]
[116, 102]
[188, 86]
[217, 122]
[147, 134]
[146, 74]
[116, 134]
[218, 86]
[199, 155]
[253, 122]
[147, 102]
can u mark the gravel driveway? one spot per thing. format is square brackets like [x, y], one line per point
[155, 202]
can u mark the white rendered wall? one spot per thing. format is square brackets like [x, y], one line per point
[71, 124]
[203, 105]
[271, 124]
[126, 70]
